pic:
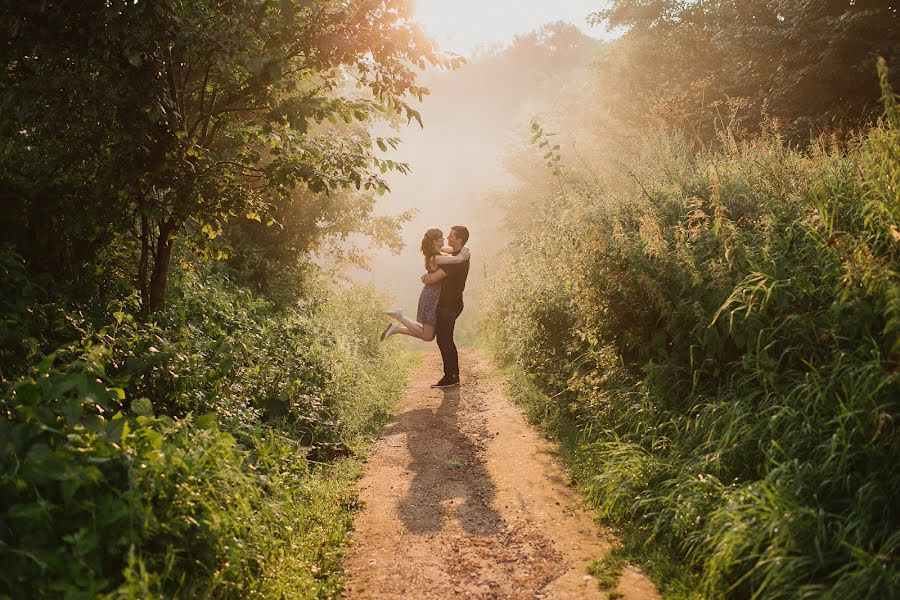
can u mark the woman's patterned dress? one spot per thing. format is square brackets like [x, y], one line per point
[428, 303]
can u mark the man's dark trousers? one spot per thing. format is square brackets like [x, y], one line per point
[446, 322]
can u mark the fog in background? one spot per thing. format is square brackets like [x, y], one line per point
[475, 119]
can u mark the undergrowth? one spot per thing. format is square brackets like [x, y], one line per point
[719, 333]
[208, 454]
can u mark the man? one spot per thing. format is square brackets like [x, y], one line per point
[450, 306]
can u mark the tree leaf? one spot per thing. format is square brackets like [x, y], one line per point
[142, 407]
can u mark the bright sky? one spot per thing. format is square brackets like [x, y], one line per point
[461, 25]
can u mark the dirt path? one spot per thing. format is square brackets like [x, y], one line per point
[464, 499]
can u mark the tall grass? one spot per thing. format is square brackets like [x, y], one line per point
[723, 329]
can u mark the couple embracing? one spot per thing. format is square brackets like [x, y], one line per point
[441, 300]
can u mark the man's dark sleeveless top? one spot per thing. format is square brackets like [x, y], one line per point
[453, 285]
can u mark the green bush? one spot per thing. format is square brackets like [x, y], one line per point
[723, 328]
[30, 321]
[198, 456]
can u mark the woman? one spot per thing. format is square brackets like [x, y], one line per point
[426, 316]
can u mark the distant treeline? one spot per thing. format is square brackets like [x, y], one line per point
[700, 65]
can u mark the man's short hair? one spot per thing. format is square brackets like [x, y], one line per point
[462, 232]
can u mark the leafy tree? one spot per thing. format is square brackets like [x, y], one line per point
[143, 121]
[274, 260]
[808, 64]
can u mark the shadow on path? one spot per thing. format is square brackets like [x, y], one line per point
[450, 478]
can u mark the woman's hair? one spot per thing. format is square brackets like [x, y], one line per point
[427, 246]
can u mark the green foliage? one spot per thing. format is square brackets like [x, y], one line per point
[720, 329]
[261, 255]
[113, 485]
[607, 570]
[805, 64]
[177, 117]
[196, 152]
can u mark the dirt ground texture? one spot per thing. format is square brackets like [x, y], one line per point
[464, 500]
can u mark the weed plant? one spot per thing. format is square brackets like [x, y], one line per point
[723, 330]
[208, 454]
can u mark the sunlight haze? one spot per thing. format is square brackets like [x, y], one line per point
[462, 25]
[238, 360]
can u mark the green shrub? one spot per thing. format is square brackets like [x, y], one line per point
[112, 485]
[731, 356]
[31, 322]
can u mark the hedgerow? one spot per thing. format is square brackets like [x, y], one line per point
[723, 329]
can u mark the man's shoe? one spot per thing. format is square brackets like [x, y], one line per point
[446, 382]
[389, 331]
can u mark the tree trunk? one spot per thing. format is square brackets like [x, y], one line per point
[142, 268]
[161, 266]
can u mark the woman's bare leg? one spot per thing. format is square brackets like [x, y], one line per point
[424, 332]
[403, 330]
[411, 326]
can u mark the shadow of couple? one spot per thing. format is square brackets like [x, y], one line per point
[450, 478]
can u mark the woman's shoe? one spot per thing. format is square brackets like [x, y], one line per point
[389, 331]
[394, 312]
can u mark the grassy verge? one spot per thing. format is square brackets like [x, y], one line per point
[674, 579]
[312, 566]
[718, 336]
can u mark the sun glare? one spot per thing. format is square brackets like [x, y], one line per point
[463, 25]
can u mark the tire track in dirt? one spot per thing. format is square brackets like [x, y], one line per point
[463, 499]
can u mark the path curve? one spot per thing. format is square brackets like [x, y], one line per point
[464, 500]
